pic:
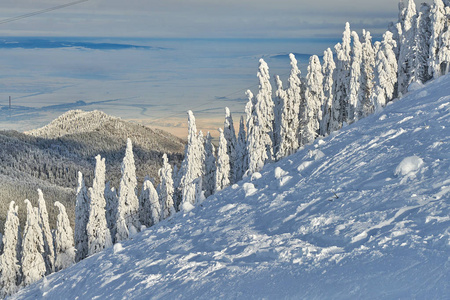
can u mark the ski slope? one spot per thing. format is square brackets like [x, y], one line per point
[361, 214]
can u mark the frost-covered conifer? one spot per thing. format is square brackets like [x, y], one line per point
[328, 69]
[309, 124]
[127, 219]
[209, 180]
[241, 151]
[112, 201]
[64, 244]
[230, 136]
[166, 189]
[365, 106]
[355, 94]
[256, 150]
[81, 219]
[279, 102]
[419, 71]
[223, 164]
[10, 272]
[289, 120]
[150, 209]
[99, 236]
[49, 254]
[32, 261]
[192, 165]
[385, 71]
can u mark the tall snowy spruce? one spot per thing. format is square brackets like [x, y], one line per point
[439, 59]
[32, 260]
[289, 118]
[97, 229]
[149, 206]
[256, 150]
[49, 254]
[223, 164]
[209, 179]
[81, 219]
[64, 244]
[230, 136]
[365, 106]
[112, 201]
[422, 45]
[127, 220]
[241, 151]
[192, 165]
[312, 106]
[166, 189]
[10, 272]
[279, 102]
[355, 93]
[328, 69]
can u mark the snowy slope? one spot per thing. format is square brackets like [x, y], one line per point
[362, 214]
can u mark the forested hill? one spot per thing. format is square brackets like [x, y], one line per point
[50, 157]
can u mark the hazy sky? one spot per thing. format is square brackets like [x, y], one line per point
[199, 18]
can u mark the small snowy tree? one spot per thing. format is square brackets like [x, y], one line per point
[223, 164]
[49, 254]
[97, 229]
[209, 180]
[112, 201]
[150, 209]
[230, 136]
[64, 244]
[241, 151]
[10, 274]
[81, 219]
[328, 93]
[127, 220]
[166, 189]
[32, 261]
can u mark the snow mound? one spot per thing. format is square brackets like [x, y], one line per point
[409, 165]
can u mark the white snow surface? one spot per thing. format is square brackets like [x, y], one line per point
[343, 226]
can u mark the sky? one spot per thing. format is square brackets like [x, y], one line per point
[198, 18]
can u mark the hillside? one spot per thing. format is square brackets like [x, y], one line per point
[50, 157]
[361, 214]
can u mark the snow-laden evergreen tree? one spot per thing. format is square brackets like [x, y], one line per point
[419, 72]
[328, 69]
[10, 272]
[127, 219]
[112, 201]
[230, 136]
[365, 106]
[32, 260]
[177, 189]
[256, 150]
[99, 236]
[309, 124]
[385, 71]
[209, 180]
[64, 244]
[241, 151]
[223, 164]
[355, 93]
[342, 80]
[279, 102]
[81, 219]
[150, 209]
[407, 19]
[166, 189]
[49, 254]
[193, 164]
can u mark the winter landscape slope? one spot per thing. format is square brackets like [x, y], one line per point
[361, 214]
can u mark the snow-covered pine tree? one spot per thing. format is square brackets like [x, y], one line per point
[241, 151]
[112, 201]
[279, 102]
[32, 261]
[342, 80]
[10, 273]
[209, 180]
[438, 20]
[177, 191]
[230, 136]
[312, 107]
[64, 244]
[81, 219]
[256, 150]
[127, 219]
[355, 93]
[328, 68]
[419, 72]
[223, 164]
[49, 254]
[407, 19]
[166, 189]
[150, 209]
[97, 230]
[385, 71]
[192, 165]
[365, 106]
